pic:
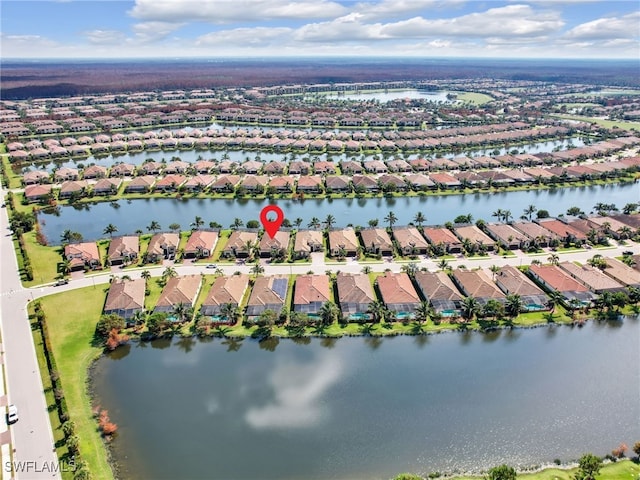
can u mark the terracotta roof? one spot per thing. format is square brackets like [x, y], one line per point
[201, 239]
[123, 245]
[345, 238]
[533, 230]
[474, 234]
[35, 191]
[437, 286]
[562, 229]
[513, 281]
[311, 289]
[396, 288]
[279, 240]
[86, 250]
[180, 290]
[440, 235]
[592, 277]
[126, 295]
[263, 293]
[378, 237]
[239, 239]
[409, 236]
[557, 279]
[159, 239]
[477, 284]
[622, 273]
[305, 238]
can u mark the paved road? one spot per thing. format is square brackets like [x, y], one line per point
[32, 437]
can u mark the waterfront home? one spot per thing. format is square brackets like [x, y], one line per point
[445, 237]
[283, 184]
[364, 183]
[169, 183]
[276, 246]
[125, 298]
[34, 177]
[632, 220]
[274, 168]
[176, 166]
[593, 278]
[204, 166]
[445, 180]
[477, 284]
[225, 290]
[123, 250]
[566, 233]
[198, 182]
[355, 294]
[82, 255]
[343, 243]
[476, 236]
[513, 282]
[239, 244]
[554, 278]
[337, 183]
[398, 294]
[306, 242]
[37, 193]
[268, 293]
[589, 229]
[255, 183]
[94, 171]
[122, 170]
[310, 293]
[150, 168]
[64, 174]
[324, 167]
[537, 234]
[309, 184]
[376, 241]
[300, 168]
[351, 167]
[419, 182]
[507, 236]
[162, 246]
[72, 188]
[142, 184]
[200, 244]
[225, 183]
[622, 272]
[375, 166]
[410, 241]
[440, 292]
[393, 182]
[179, 291]
[608, 225]
[107, 186]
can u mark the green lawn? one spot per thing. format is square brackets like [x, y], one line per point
[71, 333]
[44, 260]
[603, 122]
[473, 97]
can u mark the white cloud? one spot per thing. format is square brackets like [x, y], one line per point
[246, 37]
[298, 390]
[226, 11]
[626, 26]
[153, 31]
[105, 37]
[343, 29]
[512, 20]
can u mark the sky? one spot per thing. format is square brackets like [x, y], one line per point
[261, 28]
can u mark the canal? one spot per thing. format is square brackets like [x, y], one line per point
[371, 408]
[129, 216]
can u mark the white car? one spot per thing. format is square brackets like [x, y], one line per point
[212, 265]
[12, 414]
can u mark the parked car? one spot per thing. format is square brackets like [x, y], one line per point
[12, 414]
[212, 265]
[61, 281]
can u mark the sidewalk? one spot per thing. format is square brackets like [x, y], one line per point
[5, 434]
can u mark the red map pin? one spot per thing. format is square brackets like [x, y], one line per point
[271, 226]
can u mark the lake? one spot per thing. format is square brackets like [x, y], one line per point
[131, 215]
[371, 408]
[388, 96]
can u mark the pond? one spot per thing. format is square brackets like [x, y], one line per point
[131, 215]
[390, 95]
[368, 407]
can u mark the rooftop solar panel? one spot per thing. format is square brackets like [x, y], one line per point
[280, 287]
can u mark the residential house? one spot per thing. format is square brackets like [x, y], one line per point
[276, 246]
[445, 180]
[94, 171]
[309, 184]
[310, 293]
[82, 255]
[445, 237]
[343, 243]
[365, 183]
[398, 294]
[268, 293]
[65, 174]
[37, 193]
[255, 183]
[142, 184]
[72, 188]
[376, 241]
[225, 290]
[593, 278]
[476, 236]
[538, 235]
[507, 236]
[35, 176]
[440, 292]
[162, 246]
[125, 298]
[169, 183]
[225, 183]
[107, 186]
[123, 250]
[477, 284]
[622, 273]
[419, 182]
[200, 244]
[238, 243]
[337, 183]
[553, 278]
[410, 241]
[355, 294]
[306, 242]
[514, 282]
[283, 184]
[179, 291]
[566, 233]
[122, 170]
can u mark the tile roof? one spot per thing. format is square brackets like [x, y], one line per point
[201, 240]
[397, 288]
[227, 289]
[354, 288]
[622, 273]
[440, 235]
[477, 284]
[513, 281]
[344, 238]
[305, 238]
[557, 279]
[180, 290]
[119, 246]
[592, 277]
[311, 289]
[437, 286]
[126, 295]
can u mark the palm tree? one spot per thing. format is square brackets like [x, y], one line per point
[153, 226]
[553, 259]
[229, 311]
[197, 222]
[513, 304]
[529, 211]
[328, 313]
[494, 270]
[470, 308]
[237, 223]
[314, 223]
[110, 230]
[251, 247]
[378, 310]
[423, 312]
[329, 221]
[146, 274]
[443, 264]
[297, 222]
[506, 216]
[391, 219]
[373, 222]
[498, 214]
[169, 272]
[66, 236]
[410, 268]
[555, 298]
[257, 269]
[419, 219]
[175, 227]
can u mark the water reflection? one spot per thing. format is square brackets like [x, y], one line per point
[232, 344]
[298, 389]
